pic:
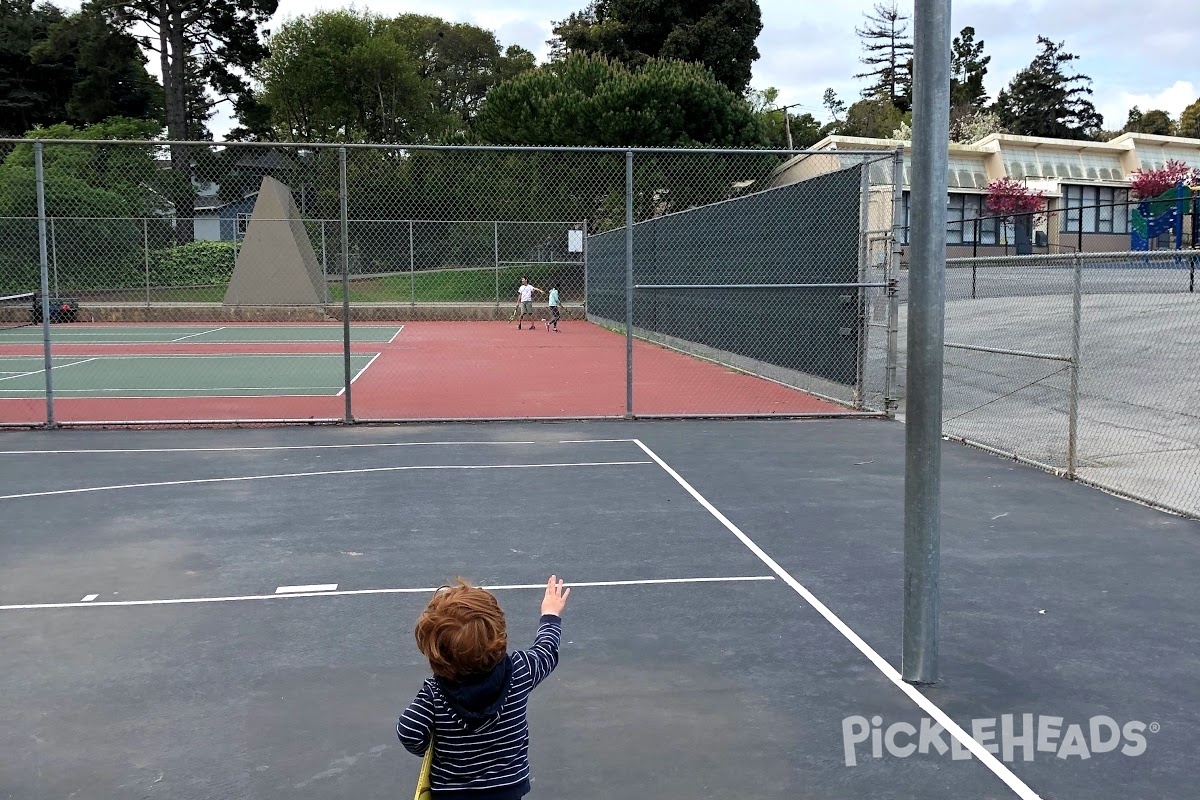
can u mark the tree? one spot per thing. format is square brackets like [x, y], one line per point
[200, 44]
[968, 66]
[719, 34]
[776, 122]
[76, 69]
[873, 119]
[974, 125]
[832, 104]
[887, 52]
[1189, 121]
[1011, 199]
[1043, 100]
[591, 101]
[1147, 184]
[350, 76]
[1155, 121]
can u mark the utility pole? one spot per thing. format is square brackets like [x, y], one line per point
[787, 122]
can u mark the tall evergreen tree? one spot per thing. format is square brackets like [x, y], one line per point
[968, 66]
[719, 34]
[1189, 121]
[887, 53]
[201, 44]
[1154, 121]
[1044, 100]
[72, 68]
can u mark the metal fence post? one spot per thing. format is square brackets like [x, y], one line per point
[146, 254]
[496, 256]
[412, 261]
[54, 253]
[345, 215]
[926, 334]
[584, 256]
[629, 284]
[324, 265]
[890, 401]
[861, 328]
[1073, 398]
[43, 256]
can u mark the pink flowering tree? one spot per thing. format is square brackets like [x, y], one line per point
[1012, 200]
[1147, 184]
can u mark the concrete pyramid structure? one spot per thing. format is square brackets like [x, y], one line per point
[276, 264]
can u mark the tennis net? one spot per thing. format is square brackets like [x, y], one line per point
[16, 310]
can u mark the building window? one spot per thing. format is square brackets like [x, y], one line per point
[243, 222]
[967, 220]
[1095, 209]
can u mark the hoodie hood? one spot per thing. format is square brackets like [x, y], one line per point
[479, 698]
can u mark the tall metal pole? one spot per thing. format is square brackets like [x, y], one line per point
[862, 304]
[584, 252]
[345, 281]
[926, 333]
[496, 257]
[629, 284]
[412, 265]
[40, 176]
[324, 264]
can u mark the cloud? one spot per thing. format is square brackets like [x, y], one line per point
[1173, 99]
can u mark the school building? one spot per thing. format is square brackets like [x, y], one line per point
[1086, 185]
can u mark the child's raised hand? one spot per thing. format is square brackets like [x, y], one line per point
[556, 597]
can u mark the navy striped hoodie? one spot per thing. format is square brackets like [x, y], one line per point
[480, 728]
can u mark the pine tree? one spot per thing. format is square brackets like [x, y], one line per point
[968, 66]
[887, 52]
[1043, 100]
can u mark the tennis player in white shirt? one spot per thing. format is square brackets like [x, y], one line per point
[525, 302]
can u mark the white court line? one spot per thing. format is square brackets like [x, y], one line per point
[201, 333]
[251, 449]
[394, 335]
[359, 592]
[928, 706]
[359, 471]
[359, 374]
[593, 441]
[43, 369]
[312, 588]
[89, 598]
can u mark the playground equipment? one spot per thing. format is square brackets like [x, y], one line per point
[1153, 217]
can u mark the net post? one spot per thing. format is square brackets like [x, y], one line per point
[43, 256]
[1073, 399]
[345, 219]
[926, 333]
[629, 284]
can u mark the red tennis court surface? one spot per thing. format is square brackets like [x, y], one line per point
[429, 370]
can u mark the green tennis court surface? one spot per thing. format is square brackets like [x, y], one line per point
[226, 375]
[199, 334]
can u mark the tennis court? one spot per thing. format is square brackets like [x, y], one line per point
[224, 613]
[251, 372]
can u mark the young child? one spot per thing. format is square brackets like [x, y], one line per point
[474, 705]
[553, 302]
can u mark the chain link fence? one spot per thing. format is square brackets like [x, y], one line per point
[212, 283]
[1080, 364]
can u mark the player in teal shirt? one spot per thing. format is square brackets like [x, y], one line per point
[553, 301]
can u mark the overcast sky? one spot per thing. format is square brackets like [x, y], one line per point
[1137, 52]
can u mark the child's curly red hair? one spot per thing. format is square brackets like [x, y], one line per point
[462, 632]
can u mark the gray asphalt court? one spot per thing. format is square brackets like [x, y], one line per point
[1138, 428]
[229, 613]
